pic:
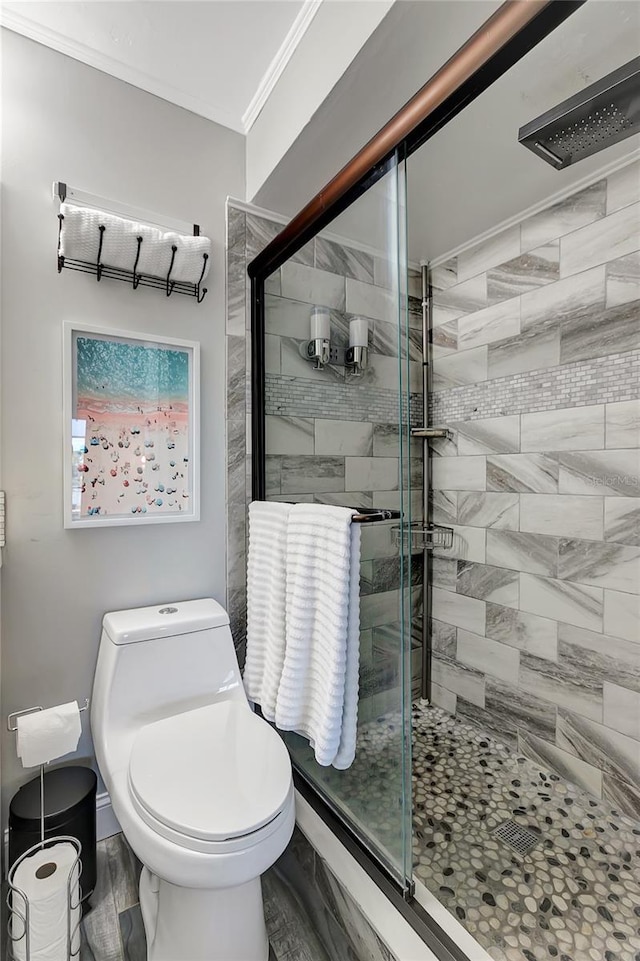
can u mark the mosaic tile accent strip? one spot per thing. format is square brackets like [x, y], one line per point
[606, 380]
[295, 397]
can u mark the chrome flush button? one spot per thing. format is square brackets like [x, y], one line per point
[168, 610]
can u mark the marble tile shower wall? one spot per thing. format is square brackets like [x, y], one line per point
[536, 613]
[332, 437]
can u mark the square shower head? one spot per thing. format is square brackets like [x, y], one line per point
[600, 115]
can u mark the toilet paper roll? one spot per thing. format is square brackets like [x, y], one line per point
[43, 878]
[46, 735]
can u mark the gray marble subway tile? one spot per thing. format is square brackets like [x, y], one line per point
[491, 435]
[312, 474]
[559, 302]
[498, 249]
[563, 686]
[134, 942]
[622, 615]
[290, 435]
[343, 437]
[444, 446]
[294, 364]
[444, 275]
[496, 584]
[272, 286]
[236, 388]
[384, 372]
[488, 656]
[597, 332]
[386, 440]
[344, 498]
[236, 292]
[601, 656]
[489, 509]
[607, 239]
[460, 299]
[614, 753]
[491, 325]
[459, 679]
[615, 472]
[484, 720]
[508, 709]
[291, 318]
[622, 711]
[528, 632]
[376, 541]
[261, 231]
[469, 544]
[534, 473]
[623, 424]
[444, 340]
[297, 498]
[573, 428]
[532, 350]
[347, 261]
[465, 367]
[459, 473]
[444, 507]
[371, 473]
[578, 210]
[381, 608]
[622, 520]
[623, 187]
[313, 286]
[236, 227]
[385, 574]
[388, 340]
[533, 553]
[272, 354]
[623, 280]
[443, 698]
[614, 566]
[551, 758]
[527, 272]
[562, 515]
[377, 303]
[444, 572]
[562, 600]
[465, 612]
[623, 795]
[273, 474]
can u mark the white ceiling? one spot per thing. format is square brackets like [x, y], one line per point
[217, 58]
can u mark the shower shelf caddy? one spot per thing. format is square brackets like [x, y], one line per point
[99, 270]
[17, 900]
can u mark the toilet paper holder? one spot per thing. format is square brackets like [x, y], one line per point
[17, 900]
[19, 907]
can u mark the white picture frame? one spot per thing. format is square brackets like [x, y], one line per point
[131, 428]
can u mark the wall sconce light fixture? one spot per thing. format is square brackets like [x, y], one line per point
[318, 347]
[357, 355]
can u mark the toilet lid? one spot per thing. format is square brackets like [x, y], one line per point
[214, 773]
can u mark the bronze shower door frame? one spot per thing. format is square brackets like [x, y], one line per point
[507, 36]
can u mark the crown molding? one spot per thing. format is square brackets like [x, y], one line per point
[18, 23]
[276, 68]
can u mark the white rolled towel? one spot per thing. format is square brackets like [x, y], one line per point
[80, 240]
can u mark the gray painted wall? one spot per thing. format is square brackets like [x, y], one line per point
[65, 121]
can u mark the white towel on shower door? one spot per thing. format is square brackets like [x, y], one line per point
[318, 692]
[266, 603]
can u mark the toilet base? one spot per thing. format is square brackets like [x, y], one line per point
[203, 924]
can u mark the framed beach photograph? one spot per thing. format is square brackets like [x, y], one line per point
[131, 428]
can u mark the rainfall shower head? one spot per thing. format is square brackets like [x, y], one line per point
[600, 115]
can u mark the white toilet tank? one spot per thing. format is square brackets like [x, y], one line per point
[159, 661]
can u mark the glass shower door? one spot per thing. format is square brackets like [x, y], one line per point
[339, 371]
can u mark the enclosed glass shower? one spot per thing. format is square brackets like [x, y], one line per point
[457, 353]
[342, 384]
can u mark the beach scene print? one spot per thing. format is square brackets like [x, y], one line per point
[130, 428]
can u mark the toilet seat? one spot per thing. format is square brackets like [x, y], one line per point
[214, 777]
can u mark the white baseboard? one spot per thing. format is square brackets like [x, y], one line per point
[106, 825]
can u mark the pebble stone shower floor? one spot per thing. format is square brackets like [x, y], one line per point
[574, 897]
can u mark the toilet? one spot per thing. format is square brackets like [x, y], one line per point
[201, 785]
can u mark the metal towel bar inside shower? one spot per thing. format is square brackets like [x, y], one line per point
[370, 515]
